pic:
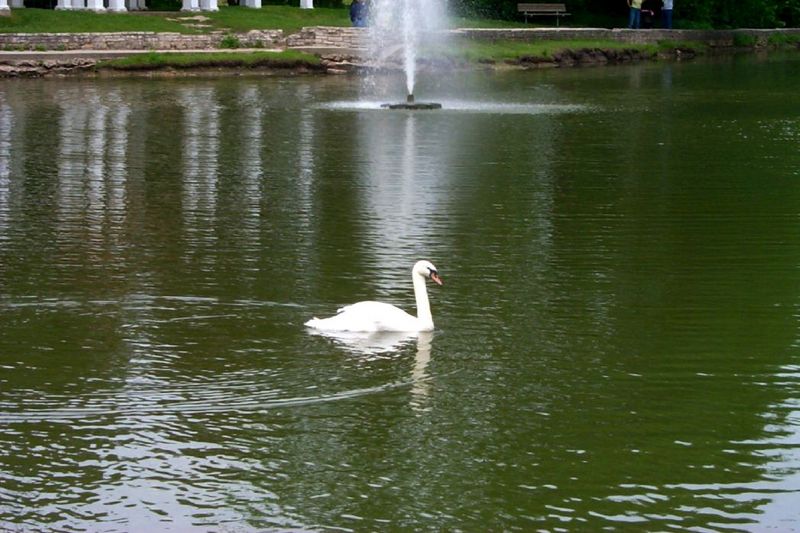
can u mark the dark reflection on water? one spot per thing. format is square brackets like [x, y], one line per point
[616, 344]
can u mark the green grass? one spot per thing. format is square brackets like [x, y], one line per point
[156, 60]
[783, 39]
[744, 41]
[695, 46]
[287, 18]
[233, 19]
[499, 51]
[292, 19]
[31, 20]
[228, 18]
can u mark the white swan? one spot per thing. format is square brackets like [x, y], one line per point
[379, 316]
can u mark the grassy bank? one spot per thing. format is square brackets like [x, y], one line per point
[464, 53]
[471, 51]
[500, 51]
[289, 59]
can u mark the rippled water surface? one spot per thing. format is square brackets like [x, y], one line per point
[617, 340]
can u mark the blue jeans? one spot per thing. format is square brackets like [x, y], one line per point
[634, 18]
[666, 18]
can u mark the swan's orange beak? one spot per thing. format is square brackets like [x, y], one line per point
[435, 277]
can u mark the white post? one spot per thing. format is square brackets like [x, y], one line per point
[306, 4]
[4, 7]
[64, 4]
[95, 5]
[252, 3]
[208, 5]
[17, 4]
[116, 6]
[190, 5]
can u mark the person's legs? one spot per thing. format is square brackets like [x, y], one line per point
[666, 18]
[635, 18]
[631, 17]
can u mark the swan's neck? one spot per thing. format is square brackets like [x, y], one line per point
[421, 295]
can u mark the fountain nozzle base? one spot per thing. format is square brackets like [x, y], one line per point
[412, 105]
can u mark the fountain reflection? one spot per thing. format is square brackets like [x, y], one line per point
[402, 197]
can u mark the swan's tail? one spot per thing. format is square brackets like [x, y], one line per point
[313, 323]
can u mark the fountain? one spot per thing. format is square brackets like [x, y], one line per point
[414, 18]
[411, 104]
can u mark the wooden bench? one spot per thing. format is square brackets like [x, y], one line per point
[557, 10]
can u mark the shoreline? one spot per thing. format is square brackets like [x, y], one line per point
[338, 51]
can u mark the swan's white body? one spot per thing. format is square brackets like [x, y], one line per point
[378, 316]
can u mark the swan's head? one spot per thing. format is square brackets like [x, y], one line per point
[427, 270]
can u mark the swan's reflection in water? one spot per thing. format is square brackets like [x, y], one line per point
[420, 377]
[385, 344]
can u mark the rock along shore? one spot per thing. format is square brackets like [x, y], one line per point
[341, 48]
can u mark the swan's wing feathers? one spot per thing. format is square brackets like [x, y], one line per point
[370, 312]
[368, 316]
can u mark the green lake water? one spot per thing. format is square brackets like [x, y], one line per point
[617, 339]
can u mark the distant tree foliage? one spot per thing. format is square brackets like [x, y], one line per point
[688, 13]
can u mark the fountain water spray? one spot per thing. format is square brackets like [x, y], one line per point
[410, 43]
[399, 28]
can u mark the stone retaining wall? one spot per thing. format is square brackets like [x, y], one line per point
[356, 38]
[134, 40]
[714, 38]
[327, 37]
